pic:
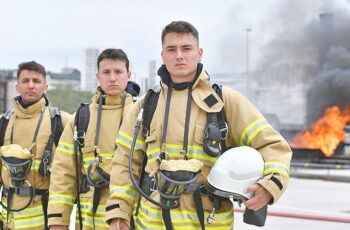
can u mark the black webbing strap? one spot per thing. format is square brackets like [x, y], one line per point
[149, 106]
[167, 219]
[56, 131]
[44, 202]
[9, 201]
[187, 119]
[81, 123]
[56, 124]
[199, 207]
[165, 122]
[97, 191]
[37, 126]
[96, 199]
[23, 191]
[77, 165]
[98, 123]
[4, 120]
[221, 116]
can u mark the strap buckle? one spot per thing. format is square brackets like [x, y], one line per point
[224, 131]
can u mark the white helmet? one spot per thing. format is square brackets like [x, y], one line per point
[234, 171]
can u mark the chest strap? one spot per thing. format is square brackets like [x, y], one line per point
[24, 191]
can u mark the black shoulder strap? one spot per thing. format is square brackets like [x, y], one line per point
[81, 122]
[149, 106]
[56, 123]
[221, 118]
[4, 120]
[56, 131]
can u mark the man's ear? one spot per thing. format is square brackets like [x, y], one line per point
[46, 87]
[129, 75]
[200, 53]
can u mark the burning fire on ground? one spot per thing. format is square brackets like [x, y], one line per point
[326, 133]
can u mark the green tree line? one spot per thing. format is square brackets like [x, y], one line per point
[67, 99]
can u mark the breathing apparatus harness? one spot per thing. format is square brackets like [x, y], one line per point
[214, 138]
[19, 168]
[96, 175]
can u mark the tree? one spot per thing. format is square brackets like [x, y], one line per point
[67, 99]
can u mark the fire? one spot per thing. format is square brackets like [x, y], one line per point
[326, 133]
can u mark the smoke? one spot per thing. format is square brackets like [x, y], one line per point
[332, 84]
[313, 36]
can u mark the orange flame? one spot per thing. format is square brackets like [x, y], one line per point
[326, 133]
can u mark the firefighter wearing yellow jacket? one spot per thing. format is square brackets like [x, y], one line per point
[177, 134]
[106, 111]
[28, 142]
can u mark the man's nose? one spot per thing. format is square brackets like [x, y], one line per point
[113, 77]
[179, 54]
[31, 84]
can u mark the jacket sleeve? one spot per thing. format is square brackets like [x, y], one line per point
[122, 192]
[248, 127]
[63, 179]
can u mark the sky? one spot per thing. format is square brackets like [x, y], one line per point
[56, 32]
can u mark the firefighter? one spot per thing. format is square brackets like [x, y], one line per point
[83, 157]
[181, 131]
[28, 138]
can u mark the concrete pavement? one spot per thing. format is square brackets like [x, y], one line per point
[309, 198]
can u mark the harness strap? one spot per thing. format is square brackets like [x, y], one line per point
[199, 207]
[56, 124]
[165, 122]
[4, 120]
[221, 119]
[187, 119]
[24, 191]
[167, 219]
[96, 199]
[37, 126]
[44, 202]
[98, 123]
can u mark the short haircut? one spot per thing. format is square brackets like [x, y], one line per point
[32, 66]
[181, 27]
[114, 54]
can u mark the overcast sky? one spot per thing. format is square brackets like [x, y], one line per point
[51, 32]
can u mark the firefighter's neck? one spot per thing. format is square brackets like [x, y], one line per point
[177, 79]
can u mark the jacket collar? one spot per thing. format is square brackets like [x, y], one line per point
[108, 101]
[166, 78]
[29, 111]
[201, 89]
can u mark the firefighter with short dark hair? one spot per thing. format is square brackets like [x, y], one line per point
[83, 158]
[28, 142]
[175, 195]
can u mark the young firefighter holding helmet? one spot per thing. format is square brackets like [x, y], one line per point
[84, 154]
[169, 161]
[29, 135]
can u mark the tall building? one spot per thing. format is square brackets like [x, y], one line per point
[88, 80]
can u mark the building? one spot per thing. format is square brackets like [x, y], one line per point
[88, 80]
[68, 78]
[279, 92]
[7, 89]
